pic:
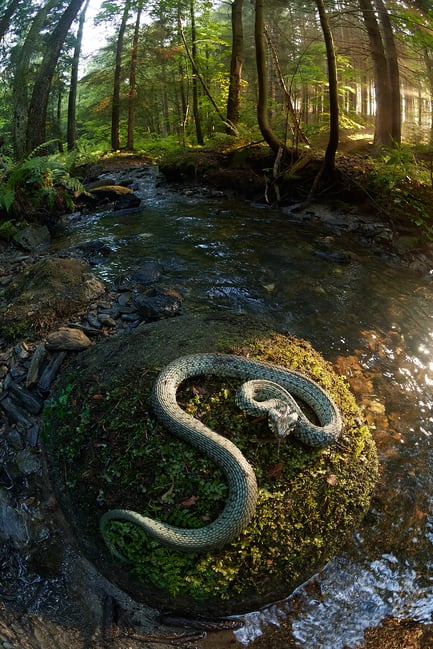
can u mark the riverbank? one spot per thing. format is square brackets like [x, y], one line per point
[377, 203]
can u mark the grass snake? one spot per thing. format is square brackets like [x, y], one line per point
[266, 388]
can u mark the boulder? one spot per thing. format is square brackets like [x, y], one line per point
[32, 237]
[117, 455]
[122, 197]
[67, 339]
[46, 291]
[158, 303]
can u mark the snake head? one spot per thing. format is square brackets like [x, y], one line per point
[282, 420]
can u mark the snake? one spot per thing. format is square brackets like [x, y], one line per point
[266, 388]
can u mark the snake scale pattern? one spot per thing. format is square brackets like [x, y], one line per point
[266, 387]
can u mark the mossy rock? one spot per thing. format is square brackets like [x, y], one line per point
[106, 450]
[7, 230]
[46, 291]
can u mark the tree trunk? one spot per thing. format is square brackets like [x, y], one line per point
[393, 70]
[132, 95]
[428, 60]
[298, 134]
[383, 122]
[262, 103]
[115, 107]
[183, 91]
[58, 119]
[20, 98]
[37, 115]
[203, 83]
[234, 97]
[195, 107]
[71, 134]
[329, 163]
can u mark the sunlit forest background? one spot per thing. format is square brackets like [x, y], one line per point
[80, 78]
[126, 73]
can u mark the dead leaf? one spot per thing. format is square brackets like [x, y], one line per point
[275, 471]
[190, 502]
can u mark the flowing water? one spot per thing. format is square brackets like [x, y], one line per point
[375, 321]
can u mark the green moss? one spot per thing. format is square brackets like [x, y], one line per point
[47, 290]
[7, 230]
[14, 329]
[309, 500]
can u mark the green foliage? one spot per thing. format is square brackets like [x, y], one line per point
[400, 184]
[38, 182]
[15, 330]
[7, 230]
[59, 411]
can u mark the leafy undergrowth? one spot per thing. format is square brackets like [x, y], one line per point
[113, 453]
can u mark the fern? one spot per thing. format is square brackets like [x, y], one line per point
[39, 178]
[41, 147]
[7, 197]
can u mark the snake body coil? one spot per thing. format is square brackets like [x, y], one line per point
[241, 503]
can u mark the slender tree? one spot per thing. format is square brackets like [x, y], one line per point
[262, 81]
[428, 59]
[236, 62]
[132, 94]
[195, 106]
[72, 98]
[20, 95]
[331, 149]
[183, 88]
[198, 75]
[383, 123]
[115, 107]
[298, 134]
[391, 57]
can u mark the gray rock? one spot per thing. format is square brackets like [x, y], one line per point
[14, 439]
[148, 273]
[51, 370]
[32, 437]
[68, 339]
[13, 526]
[27, 461]
[93, 322]
[106, 320]
[32, 237]
[158, 303]
[14, 412]
[27, 400]
[34, 370]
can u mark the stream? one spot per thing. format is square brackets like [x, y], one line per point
[372, 318]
